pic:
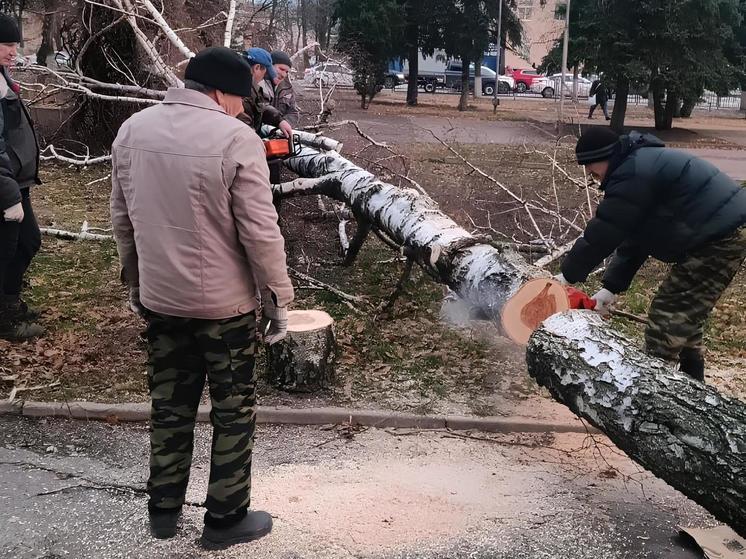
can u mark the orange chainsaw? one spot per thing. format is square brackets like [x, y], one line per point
[536, 301]
[279, 149]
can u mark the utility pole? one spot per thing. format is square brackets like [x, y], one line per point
[564, 65]
[495, 100]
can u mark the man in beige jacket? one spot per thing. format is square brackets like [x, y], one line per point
[198, 238]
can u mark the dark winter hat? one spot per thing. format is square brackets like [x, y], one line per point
[279, 57]
[222, 69]
[255, 55]
[596, 144]
[9, 32]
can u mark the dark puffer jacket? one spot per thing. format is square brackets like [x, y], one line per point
[657, 202]
[19, 152]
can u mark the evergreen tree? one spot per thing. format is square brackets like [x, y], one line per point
[676, 48]
[370, 34]
[468, 26]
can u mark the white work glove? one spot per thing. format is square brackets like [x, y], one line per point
[561, 279]
[605, 300]
[273, 325]
[134, 300]
[14, 213]
[286, 129]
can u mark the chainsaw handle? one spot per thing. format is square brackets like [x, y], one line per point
[579, 299]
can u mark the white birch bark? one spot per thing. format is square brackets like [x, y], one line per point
[228, 38]
[161, 67]
[683, 431]
[166, 28]
[480, 273]
[72, 236]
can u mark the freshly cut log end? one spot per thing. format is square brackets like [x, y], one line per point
[304, 361]
[683, 431]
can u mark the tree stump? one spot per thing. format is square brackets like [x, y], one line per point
[304, 361]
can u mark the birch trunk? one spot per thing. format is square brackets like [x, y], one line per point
[480, 273]
[683, 431]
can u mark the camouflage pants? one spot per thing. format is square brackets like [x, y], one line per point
[687, 296]
[182, 353]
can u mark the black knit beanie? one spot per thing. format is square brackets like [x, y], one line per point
[279, 57]
[9, 32]
[221, 68]
[596, 144]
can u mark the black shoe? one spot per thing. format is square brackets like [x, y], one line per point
[256, 524]
[15, 325]
[16, 330]
[692, 363]
[163, 523]
[608, 118]
[26, 312]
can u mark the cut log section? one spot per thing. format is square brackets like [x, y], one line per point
[683, 431]
[304, 361]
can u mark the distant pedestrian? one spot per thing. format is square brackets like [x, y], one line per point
[20, 238]
[257, 108]
[198, 238]
[672, 206]
[601, 93]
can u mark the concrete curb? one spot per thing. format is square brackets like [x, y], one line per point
[134, 412]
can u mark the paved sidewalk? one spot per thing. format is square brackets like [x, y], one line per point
[404, 130]
[731, 162]
[74, 489]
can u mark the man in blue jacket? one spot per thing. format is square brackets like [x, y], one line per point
[20, 238]
[674, 207]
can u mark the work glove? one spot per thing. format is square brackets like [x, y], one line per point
[286, 129]
[561, 279]
[14, 213]
[134, 301]
[605, 300]
[273, 325]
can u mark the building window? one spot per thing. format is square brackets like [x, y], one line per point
[525, 9]
[559, 11]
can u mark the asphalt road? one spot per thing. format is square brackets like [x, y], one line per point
[74, 489]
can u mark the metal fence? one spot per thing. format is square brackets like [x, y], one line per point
[709, 101]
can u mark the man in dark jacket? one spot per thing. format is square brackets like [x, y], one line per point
[20, 238]
[257, 111]
[674, 207]
[602, 98]
[279, 92]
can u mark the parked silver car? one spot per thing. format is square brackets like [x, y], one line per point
[549, 86]
[328, 74]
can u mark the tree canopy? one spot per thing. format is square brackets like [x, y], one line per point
[674, 48]
[370, 34]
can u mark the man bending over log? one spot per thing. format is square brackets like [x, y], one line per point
[672, 206]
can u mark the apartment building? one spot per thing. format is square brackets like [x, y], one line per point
[543, 23]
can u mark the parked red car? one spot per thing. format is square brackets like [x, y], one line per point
[523, 78]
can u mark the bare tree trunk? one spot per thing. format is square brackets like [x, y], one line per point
[683, 431]
[463, 103]
[304, 31]
[271, 26]
[575, 72]
[620, 104]
[48, 33]
[480, 273]
[413, 55]
[478, 77]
